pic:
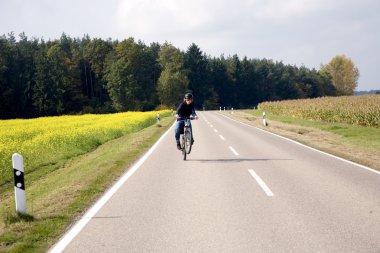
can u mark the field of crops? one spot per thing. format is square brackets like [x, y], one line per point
[45, 141]
[356, 110]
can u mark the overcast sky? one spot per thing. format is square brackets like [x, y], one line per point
[296, 32]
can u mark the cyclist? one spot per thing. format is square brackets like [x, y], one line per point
[184, 110]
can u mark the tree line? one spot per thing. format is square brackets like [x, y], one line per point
[92, 75]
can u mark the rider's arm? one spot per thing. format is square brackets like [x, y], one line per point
[193, 113]
[179, 111]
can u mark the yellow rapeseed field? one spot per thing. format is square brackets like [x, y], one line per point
[356, 110]
[45, 141]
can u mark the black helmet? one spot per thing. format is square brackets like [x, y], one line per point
[189, 96]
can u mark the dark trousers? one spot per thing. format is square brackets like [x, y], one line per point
[179, 130]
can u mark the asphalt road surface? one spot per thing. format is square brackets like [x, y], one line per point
[241, 190]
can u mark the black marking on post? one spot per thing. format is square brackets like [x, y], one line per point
[19, 179]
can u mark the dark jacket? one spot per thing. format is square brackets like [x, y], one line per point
[184, 111]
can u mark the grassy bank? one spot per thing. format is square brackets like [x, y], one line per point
[56, 199]
[356, 143]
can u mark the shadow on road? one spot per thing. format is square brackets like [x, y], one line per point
[235, 160]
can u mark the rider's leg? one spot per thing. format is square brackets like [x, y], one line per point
[178, 129]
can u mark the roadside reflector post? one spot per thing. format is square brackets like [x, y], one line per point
[18, 172]
[220, 108]
[264, 120]
[158, 118]
[232, 110]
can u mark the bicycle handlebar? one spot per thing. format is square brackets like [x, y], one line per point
[185, 118]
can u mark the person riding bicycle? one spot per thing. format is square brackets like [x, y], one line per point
[184, 110]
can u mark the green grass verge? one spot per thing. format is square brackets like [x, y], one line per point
[56, 199]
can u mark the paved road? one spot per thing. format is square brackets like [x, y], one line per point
[241, 190]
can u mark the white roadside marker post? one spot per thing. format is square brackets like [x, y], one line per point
[18, 172]
[264, 120]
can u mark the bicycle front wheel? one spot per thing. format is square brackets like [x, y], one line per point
[183, 145]
[187, 135]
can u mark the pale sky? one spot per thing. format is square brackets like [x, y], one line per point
[296, 32]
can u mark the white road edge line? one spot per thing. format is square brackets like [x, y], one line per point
[234, 151]
[215, 130]
[261, 183]
[74, 231]
[319, 151]
[221, 137]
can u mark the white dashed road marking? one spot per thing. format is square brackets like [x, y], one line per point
[261, 183]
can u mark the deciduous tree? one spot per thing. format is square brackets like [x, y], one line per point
[344, 74]
[173, 79]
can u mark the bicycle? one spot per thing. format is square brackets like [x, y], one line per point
[185, 139]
